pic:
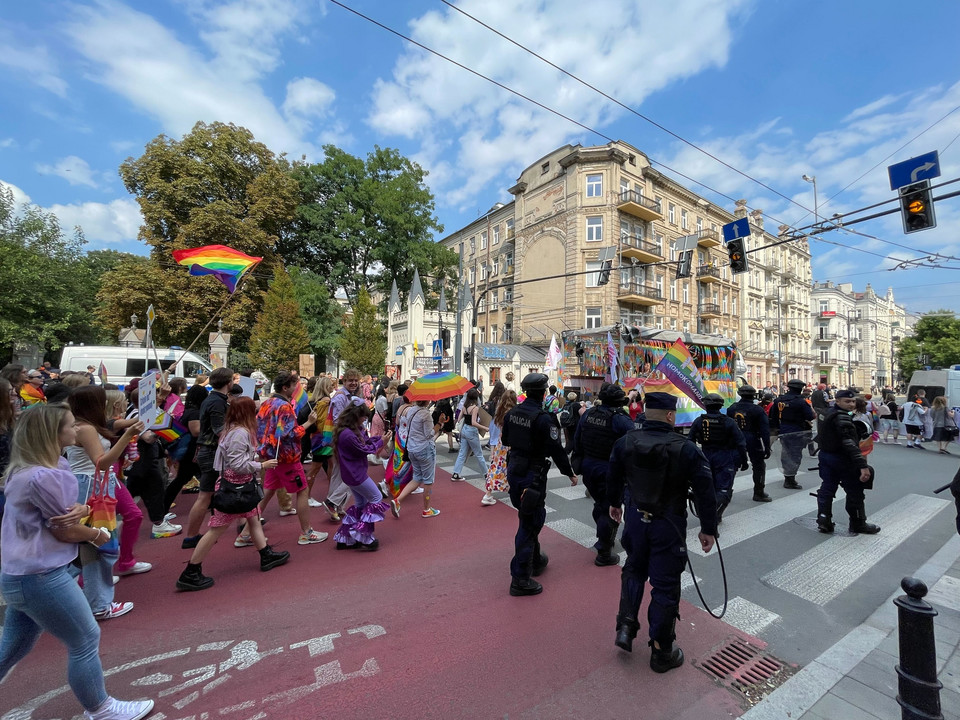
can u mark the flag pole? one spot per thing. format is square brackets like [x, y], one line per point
[209, 322]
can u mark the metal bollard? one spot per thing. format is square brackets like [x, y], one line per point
[919, 689]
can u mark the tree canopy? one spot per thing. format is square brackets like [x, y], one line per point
[936, 337]
[280, 334]
[321, 314]
[361, 223]
[363, 344]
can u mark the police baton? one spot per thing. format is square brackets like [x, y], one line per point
[945, 487]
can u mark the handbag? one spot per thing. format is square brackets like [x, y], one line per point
[237, 499]
[103, 511]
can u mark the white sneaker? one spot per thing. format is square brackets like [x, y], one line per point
[170, 516]
[314, 503]
[291, 511]
[114, 709]
[138, 567]
[488, 500]
[115, 610]
[418, 491]
[311, 537]
[116, 579]
[166, 529]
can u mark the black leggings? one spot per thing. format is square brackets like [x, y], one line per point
[187, 469]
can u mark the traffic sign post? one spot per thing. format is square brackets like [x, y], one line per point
[921, 167]
[437, 349]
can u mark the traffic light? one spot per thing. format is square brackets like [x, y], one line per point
[604, 276]
[738, 256]
[916, 207]
[445, 338]
[685, 266]
[466, 357]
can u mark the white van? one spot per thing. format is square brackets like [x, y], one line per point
[936, 383]
[125, 363]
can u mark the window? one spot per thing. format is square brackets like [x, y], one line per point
[594, 277]
[136, 367]
[824, 306]
[683, 218]
[733, 305]
[507, 298]
[724, 302]
[624, 229]
[508, 333]
[544, 169]
[483, 240]
[482, 336]
[510, 229]
[624, 187]
[673, 289]
[595, 185]
[659, 201]
[632, 159]
[496, 234]
[659, 284]
[699, 224]
[473, 245]
[508, 262]
[824, 357]
[493, 334]
[673, 252]
[473, 276]
[672, 214]
[638, 189]
[593, 318]
[483, 272]
[495, 300]
[594, 229]
[482, 307]
[686, 293]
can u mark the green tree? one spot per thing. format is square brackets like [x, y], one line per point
[363, 344]
[936, 336]
[322, 315]
[215, 186]
[280, 334]
[363, 223]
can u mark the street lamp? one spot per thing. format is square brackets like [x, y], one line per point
[816, 209]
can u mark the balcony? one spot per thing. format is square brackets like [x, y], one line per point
[633, 203]
[772, 293]
[708, 274]
[633, 246]
[828, 361]
[826, 337]
[709, 310]
[511, 234]
[639, 293]
[708, 238]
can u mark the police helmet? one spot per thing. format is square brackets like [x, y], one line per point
[612, 395]
[535, 381]
[746, 391]
[796, 384]
[713, 400]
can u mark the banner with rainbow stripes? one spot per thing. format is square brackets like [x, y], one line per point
[224, 263]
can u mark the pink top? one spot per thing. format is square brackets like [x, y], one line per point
[34, 495]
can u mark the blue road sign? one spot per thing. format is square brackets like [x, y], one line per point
[437, 349]
[737, 229]
[399, 349]
[921, 167]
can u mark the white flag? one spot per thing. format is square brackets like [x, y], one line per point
[554, 356]
[612, 359]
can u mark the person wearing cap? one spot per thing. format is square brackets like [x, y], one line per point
[792, 417]
[724, 446]
[532, 434]
[843, 465]
[651, 472]
[755, 426]
[599, 428]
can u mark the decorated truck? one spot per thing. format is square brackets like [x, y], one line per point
[634, 352]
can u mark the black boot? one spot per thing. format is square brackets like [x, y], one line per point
[270, 559]
[790, 483]
[665, 658]
[761, 496]
[859, 524]
[625, 637]
[525, 586]
[603, 559]
[825, 517]
[193, 578]
[540, 565]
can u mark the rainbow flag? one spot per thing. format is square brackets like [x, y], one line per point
[168, 427]
[300, 398]
[31, 395]
[679, 368]
[102, 373]
[224, 263]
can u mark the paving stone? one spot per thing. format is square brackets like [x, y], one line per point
[883, 680]
[866, 698]
[832, 707]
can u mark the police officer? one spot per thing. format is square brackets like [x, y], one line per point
[598, 430]
[532, 434]
[724, 446]
[841, 464]
[755, 426]
[651, 471]
[793, 417]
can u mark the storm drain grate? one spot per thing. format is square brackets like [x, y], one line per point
[741, 665]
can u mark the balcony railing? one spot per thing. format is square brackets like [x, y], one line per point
[709, 310]
[638, 291]
[633, 203]
[826, 337]
[707, 238]
[643, 250]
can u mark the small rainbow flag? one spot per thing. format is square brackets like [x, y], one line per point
[168, 427]
[102, 373]
[224, 263]
[300, 398]
[679, 368]
[31, 395]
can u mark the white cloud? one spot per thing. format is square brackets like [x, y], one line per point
[112, 223]
[19, 196]
[7, 143]
[143, 61]
[74, 170]
[122, 146]
[34, 63]
[430, 100]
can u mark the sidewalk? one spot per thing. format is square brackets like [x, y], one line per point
[856, 679]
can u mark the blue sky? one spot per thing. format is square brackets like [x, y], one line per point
[777, 89]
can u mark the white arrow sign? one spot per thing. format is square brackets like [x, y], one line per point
[922, 169]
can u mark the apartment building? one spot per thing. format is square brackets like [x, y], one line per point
[570, 210]
[855, 335]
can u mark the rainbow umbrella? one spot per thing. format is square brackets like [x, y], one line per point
[437, 386]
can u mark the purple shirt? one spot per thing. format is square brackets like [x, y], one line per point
[34, 495]
[352, 454]
[341, 398]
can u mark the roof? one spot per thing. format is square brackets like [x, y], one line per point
[394, 298]
[416, 289]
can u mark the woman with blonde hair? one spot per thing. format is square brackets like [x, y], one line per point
[497, 469]
[944, 424]
[40, 535]
[321, 452]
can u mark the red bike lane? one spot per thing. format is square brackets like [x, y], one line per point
[424, 628]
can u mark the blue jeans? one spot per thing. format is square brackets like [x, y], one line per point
[97, 575]
[470, 438]
[52, 601]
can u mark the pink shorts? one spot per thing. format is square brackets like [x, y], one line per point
[288, 476]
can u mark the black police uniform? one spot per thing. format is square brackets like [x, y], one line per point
[793, 417]
[532, 434]
[725, 449]
[650, 473]
[755, 426]
[840, 466]
[599, 428]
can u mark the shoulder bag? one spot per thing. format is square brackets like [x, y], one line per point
[103, 510]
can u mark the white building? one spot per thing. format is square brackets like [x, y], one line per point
[411, 332]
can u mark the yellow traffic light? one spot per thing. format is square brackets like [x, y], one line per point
[916, 207]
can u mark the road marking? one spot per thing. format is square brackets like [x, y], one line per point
[575, 530]
[747, 616]
[756, 520]
[823, 572]
[571, 492]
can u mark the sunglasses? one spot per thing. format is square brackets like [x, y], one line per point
[34, 377]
